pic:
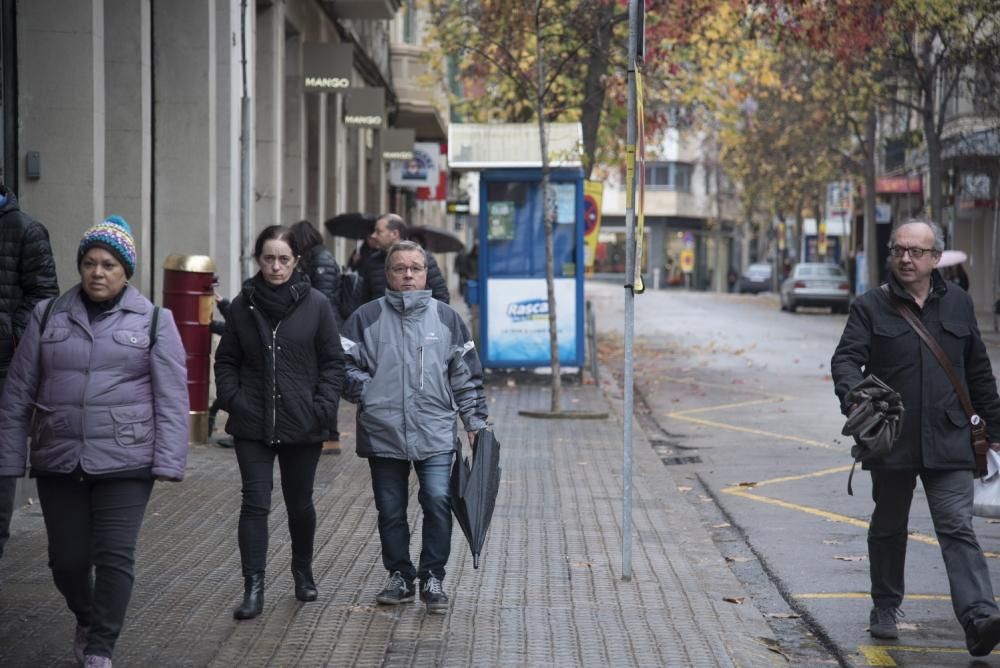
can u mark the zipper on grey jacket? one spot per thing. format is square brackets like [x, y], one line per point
[421, 350]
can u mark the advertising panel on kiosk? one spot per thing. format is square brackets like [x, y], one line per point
[514, 320]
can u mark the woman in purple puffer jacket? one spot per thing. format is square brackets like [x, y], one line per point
[99, 385]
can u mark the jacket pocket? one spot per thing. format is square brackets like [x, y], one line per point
[954, 340]
[957, 417]
[55, 334]
[893, 342]
[131, 339]
[41, 431]
[134, 425]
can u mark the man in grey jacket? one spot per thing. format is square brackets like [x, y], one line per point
[412, 368]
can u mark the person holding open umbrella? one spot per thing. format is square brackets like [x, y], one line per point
[410, 361]
[391, 229]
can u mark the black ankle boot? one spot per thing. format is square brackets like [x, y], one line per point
[305, 586]
[253, 597]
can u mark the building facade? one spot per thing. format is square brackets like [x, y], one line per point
[192, 119]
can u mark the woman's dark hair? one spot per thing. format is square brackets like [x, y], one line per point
[278, 232]
[306, 236]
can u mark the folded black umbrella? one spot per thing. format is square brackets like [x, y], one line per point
[874, 421]
[474, 487]
[351, 225]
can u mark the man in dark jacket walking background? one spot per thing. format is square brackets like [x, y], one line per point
[935, 438]
[27, 276]
[410, 362]
[389, 230]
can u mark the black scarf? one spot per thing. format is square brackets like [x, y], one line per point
[95, 309]
[276, 300]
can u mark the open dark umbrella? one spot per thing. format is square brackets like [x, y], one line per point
[435, 239]
[474, 487]
[351, 225]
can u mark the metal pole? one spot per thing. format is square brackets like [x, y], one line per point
[630, 260]
[246, 188]
[993, 264]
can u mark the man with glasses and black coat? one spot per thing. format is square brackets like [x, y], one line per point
[934, 442]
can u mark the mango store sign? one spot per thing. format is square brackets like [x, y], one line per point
[326, 67]
[397, 143]
[364, 107]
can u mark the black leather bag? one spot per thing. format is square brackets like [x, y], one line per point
[874, 421]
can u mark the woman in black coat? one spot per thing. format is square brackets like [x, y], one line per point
[278, 372]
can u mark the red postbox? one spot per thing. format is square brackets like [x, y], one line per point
[189, 292]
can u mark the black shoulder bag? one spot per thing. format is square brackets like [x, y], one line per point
[980, 439]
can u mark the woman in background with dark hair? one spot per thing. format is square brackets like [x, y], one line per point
[278, 373]
[323, 271]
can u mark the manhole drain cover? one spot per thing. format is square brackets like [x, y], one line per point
[673, 461]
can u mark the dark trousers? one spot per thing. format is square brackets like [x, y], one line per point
[93, 526]
[297, 463]
[949, 496]
[8, 487]
[390, 483]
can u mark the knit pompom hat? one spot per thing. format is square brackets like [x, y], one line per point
[114, 235]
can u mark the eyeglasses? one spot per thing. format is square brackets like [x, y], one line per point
[400, 270]
[283, 260]
[915, 253]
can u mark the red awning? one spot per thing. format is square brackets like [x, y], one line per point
[887, 185]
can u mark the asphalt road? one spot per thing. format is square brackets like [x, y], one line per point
[736, 397]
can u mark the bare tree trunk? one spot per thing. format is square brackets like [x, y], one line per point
[935, 169]
[721, 272]
[593, 85]
[547, 221]
[871, 231]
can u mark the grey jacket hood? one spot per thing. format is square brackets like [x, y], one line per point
[411, 368]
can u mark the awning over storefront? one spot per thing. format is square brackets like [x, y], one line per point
[889, 185]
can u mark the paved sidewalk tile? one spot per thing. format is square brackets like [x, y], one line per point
[548, 590]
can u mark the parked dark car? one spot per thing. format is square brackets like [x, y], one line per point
[816, 284]
[756, 278]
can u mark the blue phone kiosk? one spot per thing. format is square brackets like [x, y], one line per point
[514, 320]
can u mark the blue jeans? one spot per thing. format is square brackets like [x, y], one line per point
[390, 483]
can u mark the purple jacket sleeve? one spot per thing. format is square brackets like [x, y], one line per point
[18, 398]
[168, 370]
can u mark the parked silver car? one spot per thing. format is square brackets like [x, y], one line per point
[816, 284]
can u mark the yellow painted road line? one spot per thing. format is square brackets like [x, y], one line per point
[756, 432]
[803, 476]
[740, 404]
[826, 514]
[864, 594]
[809, 510]
[878, 655]
[726, 386]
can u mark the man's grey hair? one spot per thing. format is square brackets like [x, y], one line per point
[935, 228]
[401, 246]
